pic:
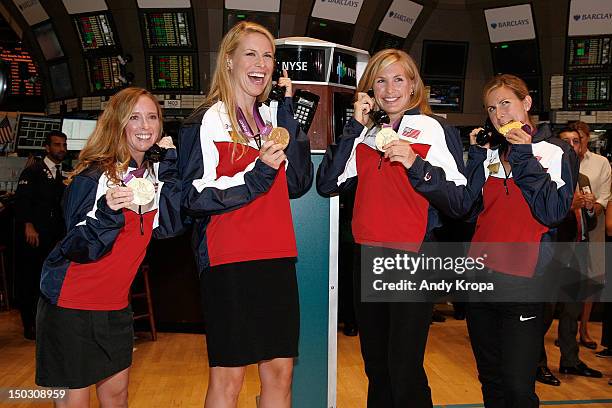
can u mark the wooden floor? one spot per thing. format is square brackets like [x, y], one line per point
[172, 372]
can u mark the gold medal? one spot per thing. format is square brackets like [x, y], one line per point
[384, 136]
[144, 190]
[279, 135]
[509, 126]
[493, 167]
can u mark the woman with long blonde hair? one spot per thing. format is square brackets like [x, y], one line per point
[403, 187]
[116, 200]
[238, 177]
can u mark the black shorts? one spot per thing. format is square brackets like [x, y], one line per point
[251, 311]
[79, 348]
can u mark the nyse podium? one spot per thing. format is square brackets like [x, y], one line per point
[331, 71]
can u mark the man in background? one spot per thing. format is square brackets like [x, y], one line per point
[40, 224]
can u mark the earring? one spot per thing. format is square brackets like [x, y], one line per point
[412, 93]
[228, 63]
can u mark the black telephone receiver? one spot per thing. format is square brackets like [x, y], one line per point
[305, 106]
[277, 93]
[155, 154]
[379, 117]
[490, 135]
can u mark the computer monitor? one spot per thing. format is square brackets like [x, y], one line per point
[163, 29]
[445, 95]
[171, 72]
[332, 31]
[47, 41]
[95, 31]
[77, 132]
[61, 84]
[269, 20]
[588, 92]
[32, 131]
[588, 54]
[516, 57]
[444, 58]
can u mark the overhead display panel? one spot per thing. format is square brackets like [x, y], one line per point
[84, 6]
[95, 31]
[47, 41]
[260, 5]
[171, 72]
[589, 17]
[21, 72]
[510, 23]
[32, 11]
[61, 84]
[164, 3]
[400, 17]
[166, 29]
[345, 11]
[104, 74]
[590, 54]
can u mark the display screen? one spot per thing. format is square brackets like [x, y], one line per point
[77, 132]
[444, 58]
[22, 73]
[302, 63]
[48, 42]
[344, 69]
[171, 72]
[517, 57]
[332, 31]
[59, 74]
[589, 54]
[384, 40]
[103, 73]
[588, 92]
[167, 29]
[95, 31]
[32, 130]
[266, 19]
[445, 95]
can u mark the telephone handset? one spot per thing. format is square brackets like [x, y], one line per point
[304, 107]
[379, 117]
[277, 93]
[490, 135]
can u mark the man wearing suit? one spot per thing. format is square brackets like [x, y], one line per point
[574, 228]
[40, 222]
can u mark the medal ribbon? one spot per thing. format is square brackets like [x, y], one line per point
[262, 128]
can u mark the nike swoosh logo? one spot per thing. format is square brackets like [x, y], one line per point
[524, 319]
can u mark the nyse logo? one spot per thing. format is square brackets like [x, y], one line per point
[593, 16]
[511, 23]
[343, 71]
[295, 66]
[401, 17]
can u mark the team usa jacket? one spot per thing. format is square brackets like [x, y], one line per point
[395, 207]
[239, 203]
[518, 212]
[93, 267]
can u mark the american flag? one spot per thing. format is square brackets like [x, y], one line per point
[6, 133]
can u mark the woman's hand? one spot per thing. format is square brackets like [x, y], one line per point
[400, 151]
[166, 142]
[518, 136]
[272, 154]
[286, 82]
[119, 197]
[362, 106]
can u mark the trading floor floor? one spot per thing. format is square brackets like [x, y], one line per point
[171, 372]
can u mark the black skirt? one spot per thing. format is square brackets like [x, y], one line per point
[251, 311]
[79, 348]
